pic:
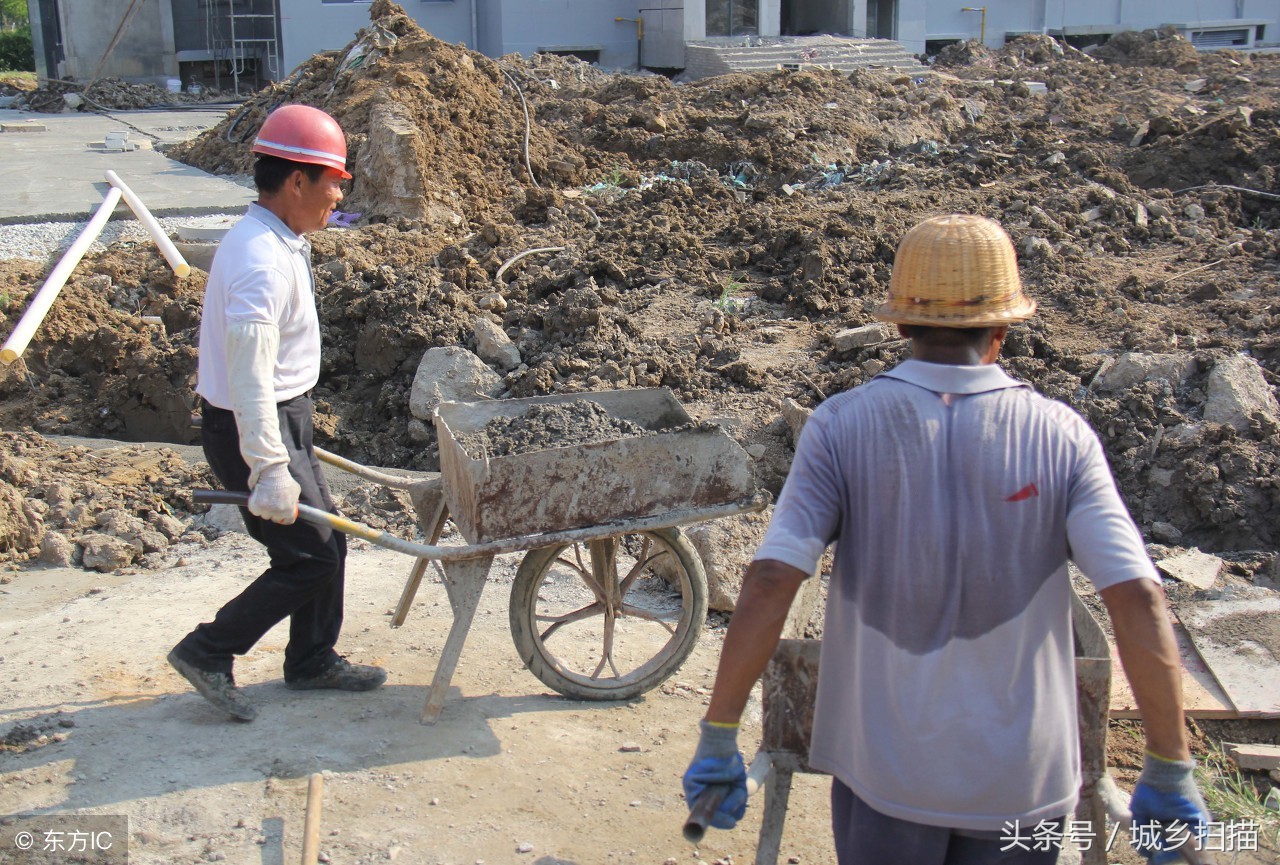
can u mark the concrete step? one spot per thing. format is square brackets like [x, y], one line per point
[821, 52]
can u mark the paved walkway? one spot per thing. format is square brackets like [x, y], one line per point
[58, 174]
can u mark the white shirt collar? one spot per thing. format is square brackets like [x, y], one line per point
[276, 224]
[949, 378]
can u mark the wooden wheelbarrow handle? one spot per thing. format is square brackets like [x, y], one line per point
[335, 522]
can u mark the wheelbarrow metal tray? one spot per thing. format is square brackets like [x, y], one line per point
[584, 485]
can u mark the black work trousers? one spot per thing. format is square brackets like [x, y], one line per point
[864, 836]
[305, 580]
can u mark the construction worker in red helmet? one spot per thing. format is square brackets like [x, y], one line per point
[955, 496]
[259, 359]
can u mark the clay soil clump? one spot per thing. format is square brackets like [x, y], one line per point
[557, 425]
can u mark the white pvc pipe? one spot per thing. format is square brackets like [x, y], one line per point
[16, 344]
[167, 249]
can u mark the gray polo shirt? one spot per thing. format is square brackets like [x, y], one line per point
[955, 496]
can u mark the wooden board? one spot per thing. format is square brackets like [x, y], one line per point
[1201, 695]
[1260, 757]
[1239, 641]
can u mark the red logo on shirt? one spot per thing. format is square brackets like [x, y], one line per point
[1027, 492]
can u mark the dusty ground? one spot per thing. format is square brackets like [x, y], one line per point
[509, 764]
[716, 236]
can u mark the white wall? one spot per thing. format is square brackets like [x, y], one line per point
[945, 20]
[144, 52]
[664, 33]
[529, 25]
[912, 28]
[308, 27]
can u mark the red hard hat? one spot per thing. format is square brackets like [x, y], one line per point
[303, 134]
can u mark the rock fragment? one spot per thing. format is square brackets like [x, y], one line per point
[494, 346]
[1134, 368]
[447, 375]
[860, 337]
[1192, 567]
[1237, 391]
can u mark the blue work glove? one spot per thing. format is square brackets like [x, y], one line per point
[1166, 795]
[718, 763]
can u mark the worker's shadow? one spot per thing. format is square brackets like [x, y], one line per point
[132, 748]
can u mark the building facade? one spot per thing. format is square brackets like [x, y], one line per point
[241, 44]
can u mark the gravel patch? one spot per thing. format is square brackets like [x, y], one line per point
[44, 241]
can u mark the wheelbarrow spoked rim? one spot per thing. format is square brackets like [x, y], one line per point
[557, 654]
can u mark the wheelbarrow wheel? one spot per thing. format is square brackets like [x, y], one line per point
[609, 619]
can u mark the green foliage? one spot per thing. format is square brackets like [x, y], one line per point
[614, 177]
[728, 302]
[1232, 796]
[13, 13]
[16, 51]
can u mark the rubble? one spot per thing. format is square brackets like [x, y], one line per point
[1152, 262]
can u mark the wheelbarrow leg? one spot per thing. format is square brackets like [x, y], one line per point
[1093, 702]
[464, 582]
[428, 501]
[1093, 677]
[777, 792]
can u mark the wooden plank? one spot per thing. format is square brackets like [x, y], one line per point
[1239, 641]
[1201, 695]
[1261, 757]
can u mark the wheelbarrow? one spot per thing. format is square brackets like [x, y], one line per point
[610, 596]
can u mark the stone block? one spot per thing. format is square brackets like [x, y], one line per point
[450, 374]
[107, 553]
[1133, 368]
[1237, 389]
[726, 547]
[494, 346]
[1192, 567]
[1264, 758]
[860, 337]
[23, 126]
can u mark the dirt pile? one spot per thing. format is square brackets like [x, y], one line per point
[578, 422]
[114, 508]
[714, 237]
[435, 132]
[110, 94]
[100, 509]
[1164, 48]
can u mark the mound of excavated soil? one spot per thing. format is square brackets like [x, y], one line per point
[716, 236]
[1165, 49]
[434, 131]
[107, 93]
[102, 509]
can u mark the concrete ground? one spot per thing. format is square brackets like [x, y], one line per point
[52, 166]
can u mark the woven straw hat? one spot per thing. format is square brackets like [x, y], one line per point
[956, 271]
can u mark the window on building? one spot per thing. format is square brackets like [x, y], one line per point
[733, 17]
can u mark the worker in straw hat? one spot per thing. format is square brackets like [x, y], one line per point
[259, 360]
[955, 496]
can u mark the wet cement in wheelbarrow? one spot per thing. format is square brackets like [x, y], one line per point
[579, 422]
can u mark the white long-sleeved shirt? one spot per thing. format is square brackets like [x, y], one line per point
[261, 273]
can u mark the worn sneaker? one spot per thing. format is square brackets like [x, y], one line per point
[342, 676]
[218, 688]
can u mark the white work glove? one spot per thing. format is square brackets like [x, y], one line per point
[252, 349]
[275, 496]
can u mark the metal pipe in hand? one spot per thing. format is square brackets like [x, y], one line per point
[701, 812]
